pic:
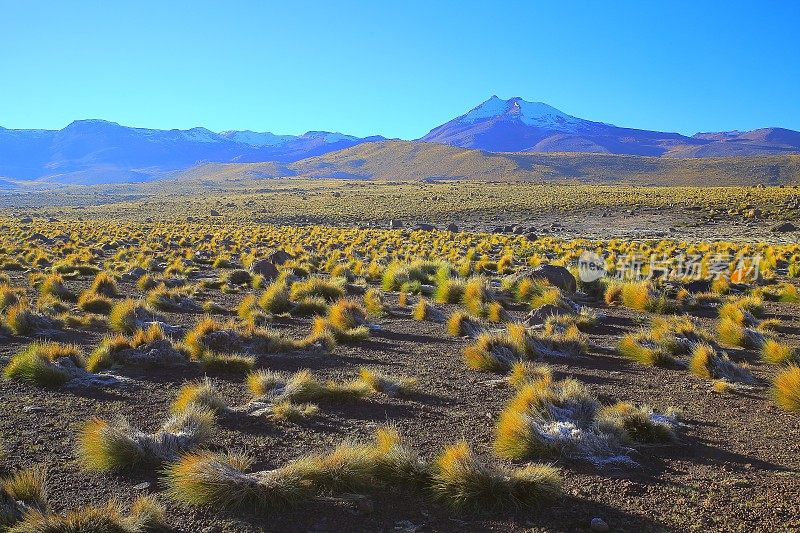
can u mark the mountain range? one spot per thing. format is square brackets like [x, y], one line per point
[98, 151]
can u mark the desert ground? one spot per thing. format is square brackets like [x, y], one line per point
[300, 355]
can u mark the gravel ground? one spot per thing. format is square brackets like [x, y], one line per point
[735, 467]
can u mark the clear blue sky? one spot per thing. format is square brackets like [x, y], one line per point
[397, 68]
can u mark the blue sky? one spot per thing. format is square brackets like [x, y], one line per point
[397, 68]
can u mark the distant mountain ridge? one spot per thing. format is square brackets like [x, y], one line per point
[98, 151]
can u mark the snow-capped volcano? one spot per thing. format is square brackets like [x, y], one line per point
[536, 114]
[516, 125]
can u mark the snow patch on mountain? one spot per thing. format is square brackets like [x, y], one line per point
[535, 114]
[492, 107]
[543, 116]
[199, 135]
[329, 137]
[253, 138]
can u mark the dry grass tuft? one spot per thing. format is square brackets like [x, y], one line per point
[302, 387]
[46, 364]
[323, 328]
[201, 393]
[390, 385]
[493, 352]
[146, 515]
[776, 353]
[221, 481]
[637, 424]
[53, 285]
[463, 483]
[373, 302]
[640, 348]
[104, 284]
[347, 315]
[316, 287]
[127, 316]
[286, 410]
[565, 418]
[733, 333]
[116, 445]
[786, 388]
[94, 302]
[707, 363]
[460, 324]
[22, 493]
[275, 298]
[523, 373]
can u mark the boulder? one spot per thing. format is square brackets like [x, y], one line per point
[539, 315]
[215, 213]
[279, 257]
[264, 268]
[40, 238]
[425, 227]
[395, 224]
[557, 276]
[698, 285]
[133, 274]
[784, 228]
[531, 236]
[598, 524]
[452, 227]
